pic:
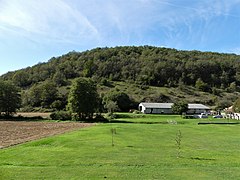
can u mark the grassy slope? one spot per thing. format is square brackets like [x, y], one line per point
[141, 151]
[152, 93]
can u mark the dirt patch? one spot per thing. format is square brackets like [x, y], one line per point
[14, 132]
[34, 114]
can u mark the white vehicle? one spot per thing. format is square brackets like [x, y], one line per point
[202, 115]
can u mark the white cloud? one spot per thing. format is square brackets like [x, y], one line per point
[111, 22]
[54, 20]
[186, 23]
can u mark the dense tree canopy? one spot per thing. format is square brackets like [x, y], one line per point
[83, 98]
[10, 99]
[144, 65]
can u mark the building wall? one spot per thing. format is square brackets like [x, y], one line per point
[196, 111]
[145, 110]
[141, 108]
[157, 111]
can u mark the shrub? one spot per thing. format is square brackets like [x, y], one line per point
[61, 115]
[26, 109]
[137, 112]
[105, 82]
[110, 116]
[200, 85]
[58, 105]
[100, 118]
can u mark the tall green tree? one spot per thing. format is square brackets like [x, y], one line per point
[59, 78]
[43, 94]
[83, 98]
[10, 99]
[49, 93]
[180, 107]
[33, 96]
[111, 106]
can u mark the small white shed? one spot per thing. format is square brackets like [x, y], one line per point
[156, 108]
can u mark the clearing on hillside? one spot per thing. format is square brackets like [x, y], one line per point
[16, 132]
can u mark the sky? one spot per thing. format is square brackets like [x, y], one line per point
[33, 31]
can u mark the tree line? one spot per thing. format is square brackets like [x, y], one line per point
[144, 65]
[83, 99]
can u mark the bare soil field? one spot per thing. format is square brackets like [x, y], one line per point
[16, 132]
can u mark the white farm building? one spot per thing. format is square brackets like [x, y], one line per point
[166, 108]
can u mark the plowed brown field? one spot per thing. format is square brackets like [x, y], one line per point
[16, 132]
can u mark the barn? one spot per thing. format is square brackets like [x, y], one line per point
[166, 108]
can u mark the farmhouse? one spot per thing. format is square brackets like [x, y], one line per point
[166, 108]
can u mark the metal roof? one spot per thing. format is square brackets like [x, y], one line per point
[158, 105]
[197, 106]
[169, 105]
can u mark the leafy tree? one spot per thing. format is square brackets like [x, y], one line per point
[111, 106]
[33, 96]
[232, 87]
[223, 103]
[59, 78]
[20, 78]
[122, 100]
[216, 91]
[43, 94]
[236, 105]
[58, 105]
[225, 78]
[180, 107]
[83, 98]
[201, 85]
[49, 93]
[10, 99]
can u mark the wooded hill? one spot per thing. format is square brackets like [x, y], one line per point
[144, 73]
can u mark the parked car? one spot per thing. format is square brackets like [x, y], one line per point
[218, 116]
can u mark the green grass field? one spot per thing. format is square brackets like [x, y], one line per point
[140, 151]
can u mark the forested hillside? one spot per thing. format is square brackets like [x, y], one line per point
[139, 68]
[143, 65]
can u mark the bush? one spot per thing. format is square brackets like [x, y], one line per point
[100, 118]
[105, 82]
[110, 116]
[26, 109]
[57, 105]
[61, 115]
[137, 112]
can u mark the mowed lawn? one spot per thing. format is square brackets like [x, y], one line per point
[140, 151]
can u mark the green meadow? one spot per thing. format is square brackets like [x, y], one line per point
[143, 149]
